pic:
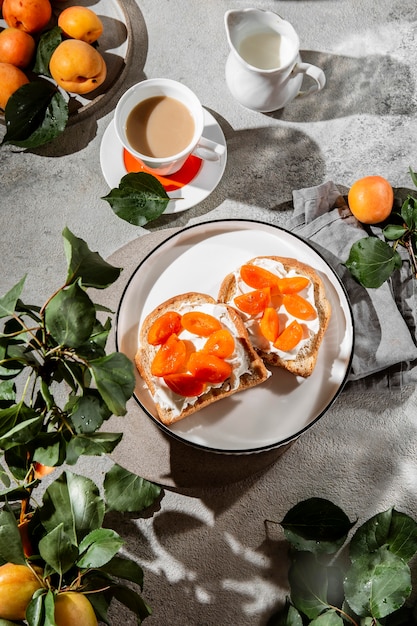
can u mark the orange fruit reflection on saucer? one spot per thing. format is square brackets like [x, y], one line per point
[170, 182]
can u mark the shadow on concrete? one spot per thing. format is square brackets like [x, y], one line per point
[370, 85]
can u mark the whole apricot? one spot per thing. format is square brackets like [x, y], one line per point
[11, 78]
[16, 47]
[18, 583]
[29, 15]
[72, 608]
[370, 199]
[80, 23]
[77, 67]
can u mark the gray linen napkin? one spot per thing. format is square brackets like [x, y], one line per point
[385, 351]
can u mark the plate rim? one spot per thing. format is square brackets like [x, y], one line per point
[291, 438]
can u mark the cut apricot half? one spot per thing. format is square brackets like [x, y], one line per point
[220, 343]
[292, 284]
[258, 277]
[208, 367]
[290, 337]
[299, 307]
[164, 326]
[170, 357]
[269, 324]
[253, 302]
[200, 323]
[185, 384]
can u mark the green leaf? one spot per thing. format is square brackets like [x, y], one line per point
[125, 491]
[22, 433]
[115, 380]
[9, 300]
[49, 450]
[377, 584]
[99, 547]
[94, 444]
[57, 550]
[7, 392]
[87, 265]
[127, 569]
[329, 618]
[11, 549]
[47, 43]
[87, 412]
[372, 261]
[309, 581]
[288, 616]
[139, 199]
[74, 501]
[35, 114]
[409, 212]
[394, 231]
[41, 609]
[391, 528]
[70, 316]
[316, 525]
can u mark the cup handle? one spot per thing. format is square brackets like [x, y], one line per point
[313, 72]
[209, 150]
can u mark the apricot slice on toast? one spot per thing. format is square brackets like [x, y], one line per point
[185, 384]
[290, 337]
[220, 343]
[253, 302]
[170, 357]
[200, 323]
[269, 324]
[164, 326]
[208, 367]
[299, 307]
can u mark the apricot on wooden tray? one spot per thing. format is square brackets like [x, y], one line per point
[31, 16]
[16, 47]
[77, 67]
[80, 22]
[11, 78]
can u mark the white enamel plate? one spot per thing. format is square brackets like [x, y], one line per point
[277, 411]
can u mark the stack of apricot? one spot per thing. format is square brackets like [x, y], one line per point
[75, 65]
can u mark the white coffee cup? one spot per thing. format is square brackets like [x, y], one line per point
[165, 87]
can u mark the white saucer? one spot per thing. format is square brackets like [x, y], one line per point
[201, 186]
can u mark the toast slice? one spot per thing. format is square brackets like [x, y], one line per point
[301, 358]
[246, 367]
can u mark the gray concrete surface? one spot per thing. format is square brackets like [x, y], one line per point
[205, 553]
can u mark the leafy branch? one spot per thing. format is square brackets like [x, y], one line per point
[333, 581]
[372, 260]
[57, 388]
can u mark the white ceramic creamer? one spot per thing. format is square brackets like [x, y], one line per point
[264, 70]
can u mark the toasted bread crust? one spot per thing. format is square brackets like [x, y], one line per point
[145, 354]
[305, 361]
